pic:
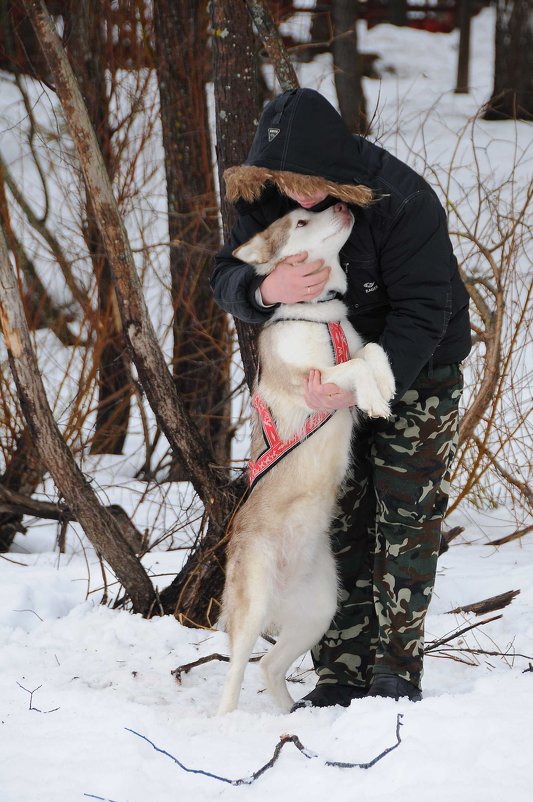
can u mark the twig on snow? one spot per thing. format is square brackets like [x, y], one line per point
[184, 669]
[284, 739]
[101, 798]
[29, 611]
[31, 707]
[484, 653]
[379, 757]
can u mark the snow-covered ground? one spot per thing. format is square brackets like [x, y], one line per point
[101, 673]
[98, 674]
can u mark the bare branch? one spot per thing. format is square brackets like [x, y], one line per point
[285, 739]
[273, 43]
[97, 522]
[155, 377]
[77, 291]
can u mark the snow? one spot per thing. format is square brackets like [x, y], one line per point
[101, 673]
[98, 674]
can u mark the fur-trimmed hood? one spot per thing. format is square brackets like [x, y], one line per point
[248, 182]
[302, 145]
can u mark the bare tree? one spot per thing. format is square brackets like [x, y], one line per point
[347, 64]
[201, 343]
[98, 523]
[512, 96]
[490, 222]
[218, 499]
[463, 60]
[87, 41]
[153, 372]
[194, 594]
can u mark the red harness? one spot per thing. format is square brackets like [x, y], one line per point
[276, 448]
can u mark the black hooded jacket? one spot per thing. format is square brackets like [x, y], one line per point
[404, 289]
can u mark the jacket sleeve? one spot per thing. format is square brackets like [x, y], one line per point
[416, 263]
[234, 283]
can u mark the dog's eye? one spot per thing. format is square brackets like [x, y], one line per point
[301, 223]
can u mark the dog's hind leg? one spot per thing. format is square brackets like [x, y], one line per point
[242, 645]
[306, 615]
[247, 609]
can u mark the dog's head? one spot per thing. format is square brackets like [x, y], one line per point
[321, 234]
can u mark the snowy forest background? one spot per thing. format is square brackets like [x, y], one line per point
[123, 505]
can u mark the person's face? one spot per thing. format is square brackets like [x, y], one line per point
[308, 201]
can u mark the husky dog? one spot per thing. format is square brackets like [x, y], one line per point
[281, 573]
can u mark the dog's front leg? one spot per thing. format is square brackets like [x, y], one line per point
[357, 376]
[378, 362]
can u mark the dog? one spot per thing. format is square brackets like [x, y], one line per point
[281, 574]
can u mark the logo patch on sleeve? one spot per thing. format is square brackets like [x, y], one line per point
[272, 133]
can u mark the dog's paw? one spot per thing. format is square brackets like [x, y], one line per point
[379, 409]
[373, 404]
[381, 370]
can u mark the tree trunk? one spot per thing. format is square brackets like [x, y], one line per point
[201, 341]
[463, 61]
[86, 42]
[347, 62]
[149, 360]
[194, 594]
[398, 12]
[98, 524]
[512, 97]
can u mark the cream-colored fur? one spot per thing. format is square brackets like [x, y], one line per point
[281, 573]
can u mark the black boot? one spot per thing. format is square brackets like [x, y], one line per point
[329, 696]
[392, 686]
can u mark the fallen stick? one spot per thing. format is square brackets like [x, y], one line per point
[284, 739]
[488, 605]
[184, 669]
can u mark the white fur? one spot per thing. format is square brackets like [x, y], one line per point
[281, 572]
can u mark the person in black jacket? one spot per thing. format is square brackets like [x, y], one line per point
[405, 292]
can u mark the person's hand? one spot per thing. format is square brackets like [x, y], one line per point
[326, 396]
[294, 280]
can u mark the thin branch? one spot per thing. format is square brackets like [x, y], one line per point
[77, 291]
[513, 536]
[522, 487]
[184, 669]
[284, 739]
[456, 633]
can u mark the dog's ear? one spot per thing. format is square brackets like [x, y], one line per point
[266, 247]
[257, 251]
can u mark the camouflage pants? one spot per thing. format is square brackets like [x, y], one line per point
[386, 536]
